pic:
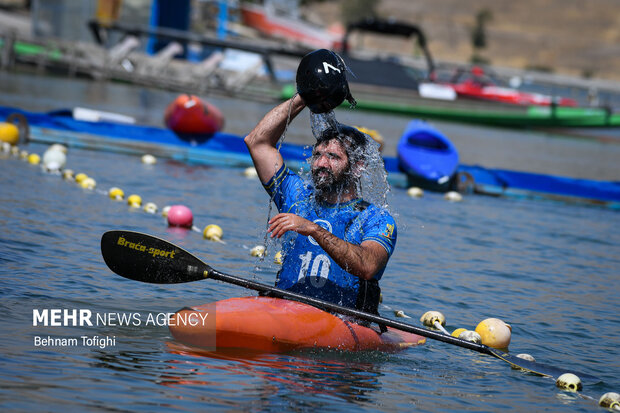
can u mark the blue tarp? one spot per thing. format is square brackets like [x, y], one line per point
[492, 181]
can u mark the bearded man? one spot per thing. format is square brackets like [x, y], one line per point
[340, 244]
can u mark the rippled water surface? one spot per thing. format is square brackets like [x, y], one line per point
[549, 269]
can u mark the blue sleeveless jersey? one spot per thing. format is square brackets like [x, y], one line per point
[307, 269]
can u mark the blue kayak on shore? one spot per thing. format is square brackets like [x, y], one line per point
[427, 156]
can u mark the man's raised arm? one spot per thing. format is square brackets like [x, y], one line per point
[263, 139]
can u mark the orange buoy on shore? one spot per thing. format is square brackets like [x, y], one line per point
[188, 114]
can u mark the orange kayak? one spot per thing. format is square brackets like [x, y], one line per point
[276, 325]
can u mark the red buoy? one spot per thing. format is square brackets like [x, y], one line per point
[190, 115]
[180, 216]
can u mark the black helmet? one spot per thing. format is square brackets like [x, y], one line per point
[322, 82]
[358, 138]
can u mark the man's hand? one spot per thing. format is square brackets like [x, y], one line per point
[282, 223]
[363, 260]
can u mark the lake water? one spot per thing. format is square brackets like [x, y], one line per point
[549, 269]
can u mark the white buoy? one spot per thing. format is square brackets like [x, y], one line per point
[569, 381]
[526, 356]
[429, 318]
[610, 400]
[250, 172]
[149, 159]
[150, 208]
[258, 251]
[415, 192]
[472, 336]
[55, 155]
[400, 313]
[51, 167]
[68, 175]
[165, 210]
[58, 147]
[453, 196]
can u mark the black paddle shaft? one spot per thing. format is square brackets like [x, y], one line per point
[533, 367]
[145, 258]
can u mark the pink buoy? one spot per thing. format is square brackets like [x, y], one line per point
[180, 216]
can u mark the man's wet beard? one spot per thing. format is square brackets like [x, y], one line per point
[330, 184]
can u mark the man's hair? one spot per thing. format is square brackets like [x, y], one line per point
[353, 140]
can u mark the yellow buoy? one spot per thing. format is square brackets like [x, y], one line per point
[34, 159]
[494, 333]
[569, 381]
[456, 333]
[9, 133]
[610, 400]
[134, 201]
[213, 232]
[88, 183]
[278, 258]
[375, 135]
[258, 251]
[150, 208]
[116, 193]
[80, 177]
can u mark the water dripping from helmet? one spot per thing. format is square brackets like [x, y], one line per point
[268, 242]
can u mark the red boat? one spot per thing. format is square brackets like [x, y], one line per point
[476, 84]
[190, 115]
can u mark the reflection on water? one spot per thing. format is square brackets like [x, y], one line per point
[326, 373]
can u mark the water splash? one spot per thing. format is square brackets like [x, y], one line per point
[371, 177]
[268, 242]
[320, 122]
